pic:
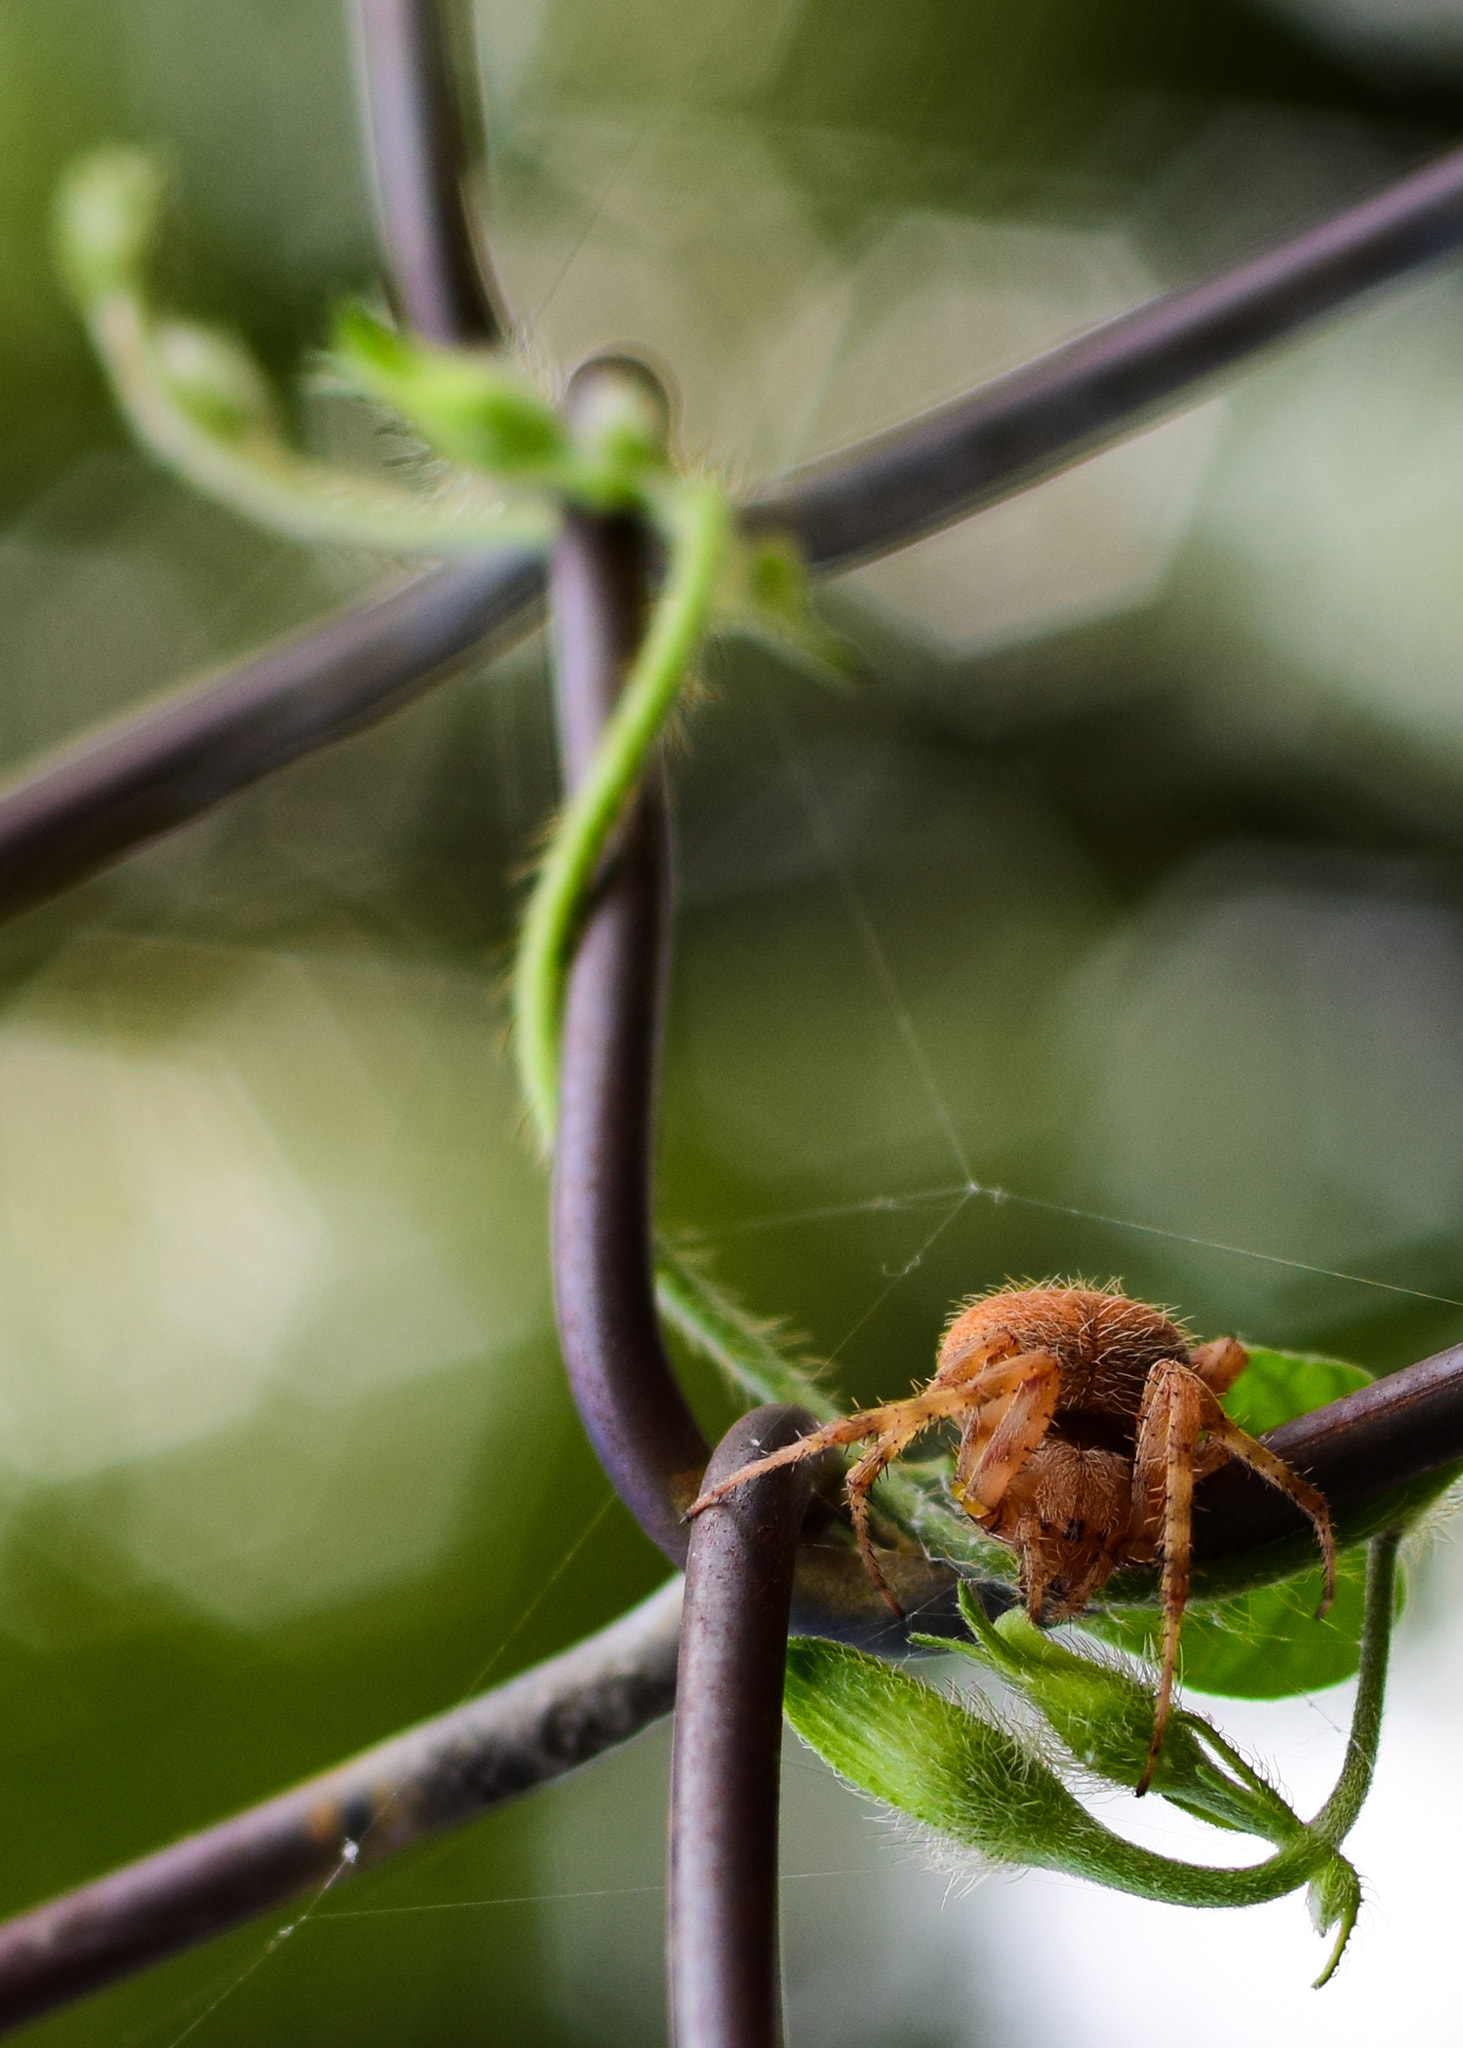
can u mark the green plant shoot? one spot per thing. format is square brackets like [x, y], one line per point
[952, 1767]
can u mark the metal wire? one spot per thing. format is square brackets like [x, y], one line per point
[416, 116]
[440, 1775]
[1051, 412]
[932, 471]
[722, 1950]
[93, 802]
[1384, 1435]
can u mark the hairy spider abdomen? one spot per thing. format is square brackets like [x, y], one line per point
[1104, 1344]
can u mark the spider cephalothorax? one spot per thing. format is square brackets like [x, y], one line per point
[1084, 1419]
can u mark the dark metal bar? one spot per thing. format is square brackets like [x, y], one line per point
[440, 1775]
[604, 1286]
[935, 470]
[420, 158]
[722, 1950]
[1105, 384]
[1398, 1429]
[92, 802]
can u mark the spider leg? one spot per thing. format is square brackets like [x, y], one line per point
[1163, 1487]
[1219, 1363]
[997, 1446]
[848, 1429]
[859, 1484]
[914, 1414]
[1177, 1405]
[1240, 1444]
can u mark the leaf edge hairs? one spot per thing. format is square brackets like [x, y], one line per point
[990, 1793]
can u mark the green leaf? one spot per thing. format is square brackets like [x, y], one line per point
[765, 598]
[1276, 1386]
[1265, 1644]
[472, 406]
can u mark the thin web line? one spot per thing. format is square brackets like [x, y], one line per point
[274, 1943]
[663, 123]
[618, 1891]
[352, 1849]
[842, 876]
[1211, 1244]
[833, 1212]
[476, 1683]
[872, 1205]
[896, 1279]
[868, 938]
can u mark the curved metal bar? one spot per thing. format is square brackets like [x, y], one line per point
[604, 1287]
[420, 159]
[722, 1949]
[624, 1384]
[1107, 383]
[440, 1775]
[936, 469]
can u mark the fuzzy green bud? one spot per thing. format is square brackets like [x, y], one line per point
[1334, 1899]
[959, 1773]
[777, 581]
[215, 380]
[107, 212]
[1103, 1716]
[926, 1755]
[465, 403]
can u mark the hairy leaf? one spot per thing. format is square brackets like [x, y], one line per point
[945, 1765]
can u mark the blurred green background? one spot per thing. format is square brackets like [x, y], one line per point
[1113, 924]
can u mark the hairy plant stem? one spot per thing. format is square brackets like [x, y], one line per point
[1337, 1817]
[264, 479]
[697, 524]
